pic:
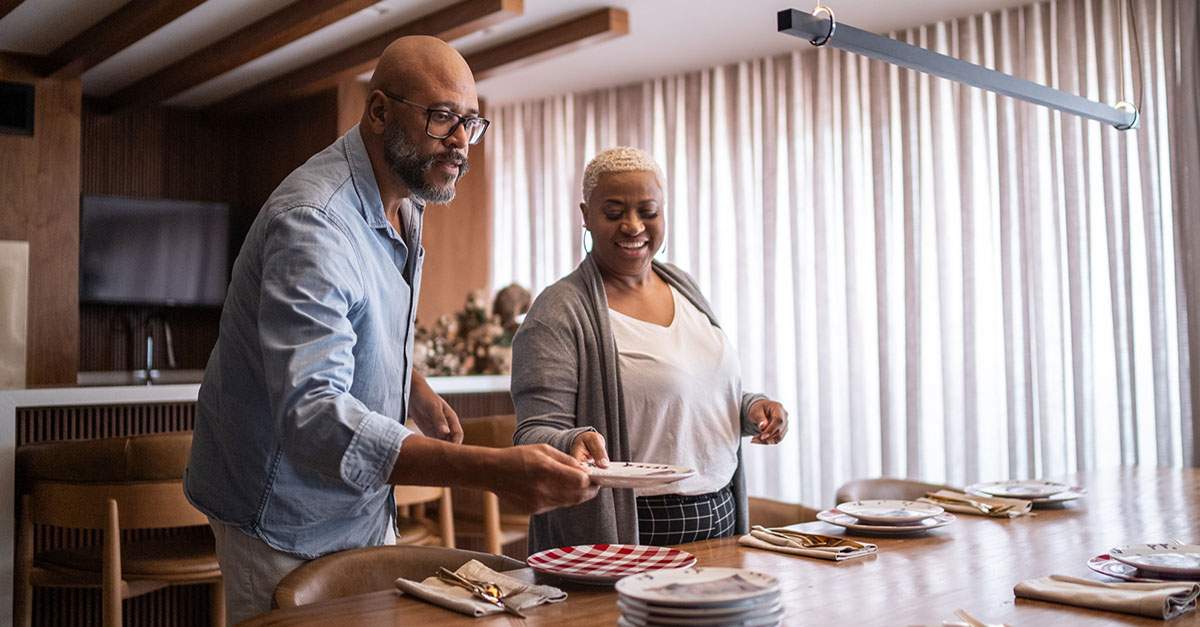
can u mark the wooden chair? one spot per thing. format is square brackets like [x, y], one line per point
[413, 526]
[771, 513]
[373, 568]
[479, 512]
[886, 488]
[113, 485]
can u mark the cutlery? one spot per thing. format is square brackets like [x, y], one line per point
[485, 590]
[808, 539]
[985, 508]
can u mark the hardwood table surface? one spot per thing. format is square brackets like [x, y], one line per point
[972, 564]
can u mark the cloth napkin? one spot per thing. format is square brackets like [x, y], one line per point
[770, 540]
[1156, 600]
[1017, 507]
[517, 592]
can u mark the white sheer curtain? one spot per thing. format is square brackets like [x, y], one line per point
[937, 282]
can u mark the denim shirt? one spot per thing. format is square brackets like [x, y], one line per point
[301, 412]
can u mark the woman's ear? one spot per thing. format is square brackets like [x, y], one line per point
[583, 212]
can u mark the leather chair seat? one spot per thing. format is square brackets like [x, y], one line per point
[374, 568]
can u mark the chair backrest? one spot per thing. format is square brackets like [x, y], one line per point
[771, 513]
[494, 431]
[886, 488]
[374, 568]
[417, 494]
[71, 483]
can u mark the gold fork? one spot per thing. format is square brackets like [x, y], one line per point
[985, 508]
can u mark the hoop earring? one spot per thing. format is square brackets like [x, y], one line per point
[587, 241]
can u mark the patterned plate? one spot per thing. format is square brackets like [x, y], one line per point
[1167, 559]
[834, 517]
[1020, 489]
[606, 563]
[1106, 565]
[889, 512]
[637, 474]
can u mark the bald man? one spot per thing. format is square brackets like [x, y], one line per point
[300, 425]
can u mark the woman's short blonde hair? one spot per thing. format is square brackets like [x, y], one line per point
[620, 159]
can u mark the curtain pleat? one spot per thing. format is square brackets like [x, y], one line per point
[936, 281]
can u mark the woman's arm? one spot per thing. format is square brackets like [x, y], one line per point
[545, 385]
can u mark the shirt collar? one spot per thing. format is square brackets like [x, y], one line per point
[365, 184]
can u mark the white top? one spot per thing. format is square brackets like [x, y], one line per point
[682, 386]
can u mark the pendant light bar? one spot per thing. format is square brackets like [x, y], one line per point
[821, 31]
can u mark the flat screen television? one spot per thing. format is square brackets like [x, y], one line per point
[138, 251]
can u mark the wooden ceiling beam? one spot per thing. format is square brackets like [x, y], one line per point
[6, 6]
[452, 22]
[119, 30]
[273, 31]
[559, 39]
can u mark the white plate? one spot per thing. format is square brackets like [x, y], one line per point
[1170, 559]
[754, 616]
[1106, 565]
[889, 512]
[698, 587]
[1071, 494]
[834, 517]
[637, 474]
[1020, 488]
[754, 607]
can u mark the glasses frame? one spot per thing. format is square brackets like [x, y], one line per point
[429, 111]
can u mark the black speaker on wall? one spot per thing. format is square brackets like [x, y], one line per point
[16, 109]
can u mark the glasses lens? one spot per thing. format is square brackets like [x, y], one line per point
[440, 123]
[475, 129]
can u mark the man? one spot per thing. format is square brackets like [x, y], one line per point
[300, 422]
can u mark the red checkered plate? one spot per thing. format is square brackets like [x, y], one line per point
[606, 563]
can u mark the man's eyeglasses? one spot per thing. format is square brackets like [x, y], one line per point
[440, 123]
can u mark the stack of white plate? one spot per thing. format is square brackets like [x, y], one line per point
[707, 596]
[887, 517]
[1037, 491]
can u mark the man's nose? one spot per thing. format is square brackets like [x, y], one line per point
[458, 138]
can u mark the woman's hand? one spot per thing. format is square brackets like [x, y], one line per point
[589, 447]
[772, 422]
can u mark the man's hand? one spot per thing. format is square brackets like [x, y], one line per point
[589, 447]
[538, 477]
[432, 414]
[772, 422]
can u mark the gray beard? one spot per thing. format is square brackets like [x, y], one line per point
[404, 160]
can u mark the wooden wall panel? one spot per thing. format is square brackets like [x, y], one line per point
[113, 337]
[160, 153]
[278, 141]
[39, 176]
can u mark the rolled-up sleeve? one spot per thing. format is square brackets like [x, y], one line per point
[311, 284]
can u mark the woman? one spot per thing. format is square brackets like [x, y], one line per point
[623, 359]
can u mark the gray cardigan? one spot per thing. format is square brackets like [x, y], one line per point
[566, 380]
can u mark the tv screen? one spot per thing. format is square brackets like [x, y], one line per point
[153, 252]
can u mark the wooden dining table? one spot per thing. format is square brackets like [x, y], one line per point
[971, 564]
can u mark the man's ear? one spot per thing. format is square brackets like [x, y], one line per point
[377, 111]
